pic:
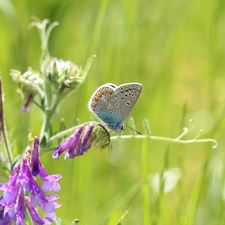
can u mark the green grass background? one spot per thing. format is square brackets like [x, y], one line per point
[176, 49]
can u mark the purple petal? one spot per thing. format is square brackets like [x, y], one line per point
[57, 205]
[12, 180]
[43, 172]
[11, 212]
[35, 200]
[20, 208]
[49, 207]
[9, 198]
[50, 182]
[46, 186]
[52, 197]
[46, 200]
[35, 157]
[86, 135]
[25, 175]
[50, 216]
[66, 156]
[62, 147]
[75, 142]
[56, 187]
[56, 154]
[4, 217]
[34, 214]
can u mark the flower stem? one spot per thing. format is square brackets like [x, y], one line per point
[174, 140]
[50, 106]
[3, 126]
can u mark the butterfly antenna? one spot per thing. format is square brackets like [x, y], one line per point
[133, 130]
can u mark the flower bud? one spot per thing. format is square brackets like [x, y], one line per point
[85, 135]
[60, 72]
[30, 84]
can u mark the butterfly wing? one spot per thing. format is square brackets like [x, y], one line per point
[128, 95]
[104, 103]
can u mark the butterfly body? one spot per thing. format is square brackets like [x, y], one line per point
[112, 104]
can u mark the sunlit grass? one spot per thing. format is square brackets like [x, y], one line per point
[176, 50]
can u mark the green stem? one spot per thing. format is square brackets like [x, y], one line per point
[161, 187]
[147, 213]
[3, 126]
[51, 104]
[49, 113]
[174, 140]
[196, 194]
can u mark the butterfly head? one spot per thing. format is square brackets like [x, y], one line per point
[115, 126]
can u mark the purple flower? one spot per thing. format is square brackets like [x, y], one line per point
[35, 159]
[85, 135]
[35, 215]
[4, 217]
[22, 191]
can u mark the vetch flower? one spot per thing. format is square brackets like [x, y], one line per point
[22, 191]
[4, 217]
[85, 135]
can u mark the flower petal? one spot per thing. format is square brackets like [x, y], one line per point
[35, 157]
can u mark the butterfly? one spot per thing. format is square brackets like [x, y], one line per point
[112, 104]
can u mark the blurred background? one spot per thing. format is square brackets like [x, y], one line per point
[176, 49]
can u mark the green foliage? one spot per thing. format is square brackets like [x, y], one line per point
[176, 50]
